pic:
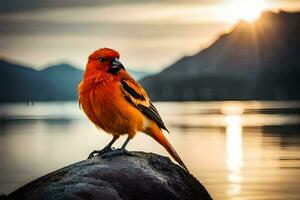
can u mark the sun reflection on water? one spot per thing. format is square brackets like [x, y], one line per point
[234, 146]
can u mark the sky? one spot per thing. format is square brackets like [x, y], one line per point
[149, 34]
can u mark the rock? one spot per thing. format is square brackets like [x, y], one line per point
[140, 176]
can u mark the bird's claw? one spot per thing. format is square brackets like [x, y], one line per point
[100, 152]
[116, 152]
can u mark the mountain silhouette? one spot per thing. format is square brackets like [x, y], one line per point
[257, 60]
[19, 83]
[54, 83]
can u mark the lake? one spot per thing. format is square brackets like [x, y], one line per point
[238, 150]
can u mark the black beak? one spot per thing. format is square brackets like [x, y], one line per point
[115, 66]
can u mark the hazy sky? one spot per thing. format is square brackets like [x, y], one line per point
[148, 34]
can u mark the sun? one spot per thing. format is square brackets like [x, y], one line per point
[248, 10]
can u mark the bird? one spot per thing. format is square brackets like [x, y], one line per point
[118, 104]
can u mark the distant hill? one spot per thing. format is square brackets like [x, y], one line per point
[54, 83]
[19, 83]
[258, 60]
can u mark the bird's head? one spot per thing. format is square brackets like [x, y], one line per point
[105, 60]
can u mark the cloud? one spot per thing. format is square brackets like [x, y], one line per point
[145, 46]
[127, 21]
[134, 13]
[18, 6]
[149, 34]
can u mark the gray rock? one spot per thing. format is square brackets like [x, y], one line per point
[140, 176]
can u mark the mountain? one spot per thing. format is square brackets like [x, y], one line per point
[19, 83]
[54, 83]
[257, 60]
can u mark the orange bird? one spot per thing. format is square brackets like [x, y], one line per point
[119, 105]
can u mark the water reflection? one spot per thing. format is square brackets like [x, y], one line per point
[234, 145]
[234, 153]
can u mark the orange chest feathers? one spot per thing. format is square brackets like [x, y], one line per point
[105, 105]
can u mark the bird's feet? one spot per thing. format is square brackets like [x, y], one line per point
[116, 152]
[100, 152]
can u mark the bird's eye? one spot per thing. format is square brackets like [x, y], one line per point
[101, 59]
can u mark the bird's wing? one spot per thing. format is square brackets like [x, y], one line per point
[137, 96]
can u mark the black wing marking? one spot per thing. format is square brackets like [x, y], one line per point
[153, 108]
[150, 112]
[131, 91]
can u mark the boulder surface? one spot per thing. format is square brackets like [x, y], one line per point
[143, 176]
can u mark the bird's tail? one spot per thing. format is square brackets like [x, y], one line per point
[157, 134]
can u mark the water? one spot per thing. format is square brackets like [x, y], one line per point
[238, 150]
